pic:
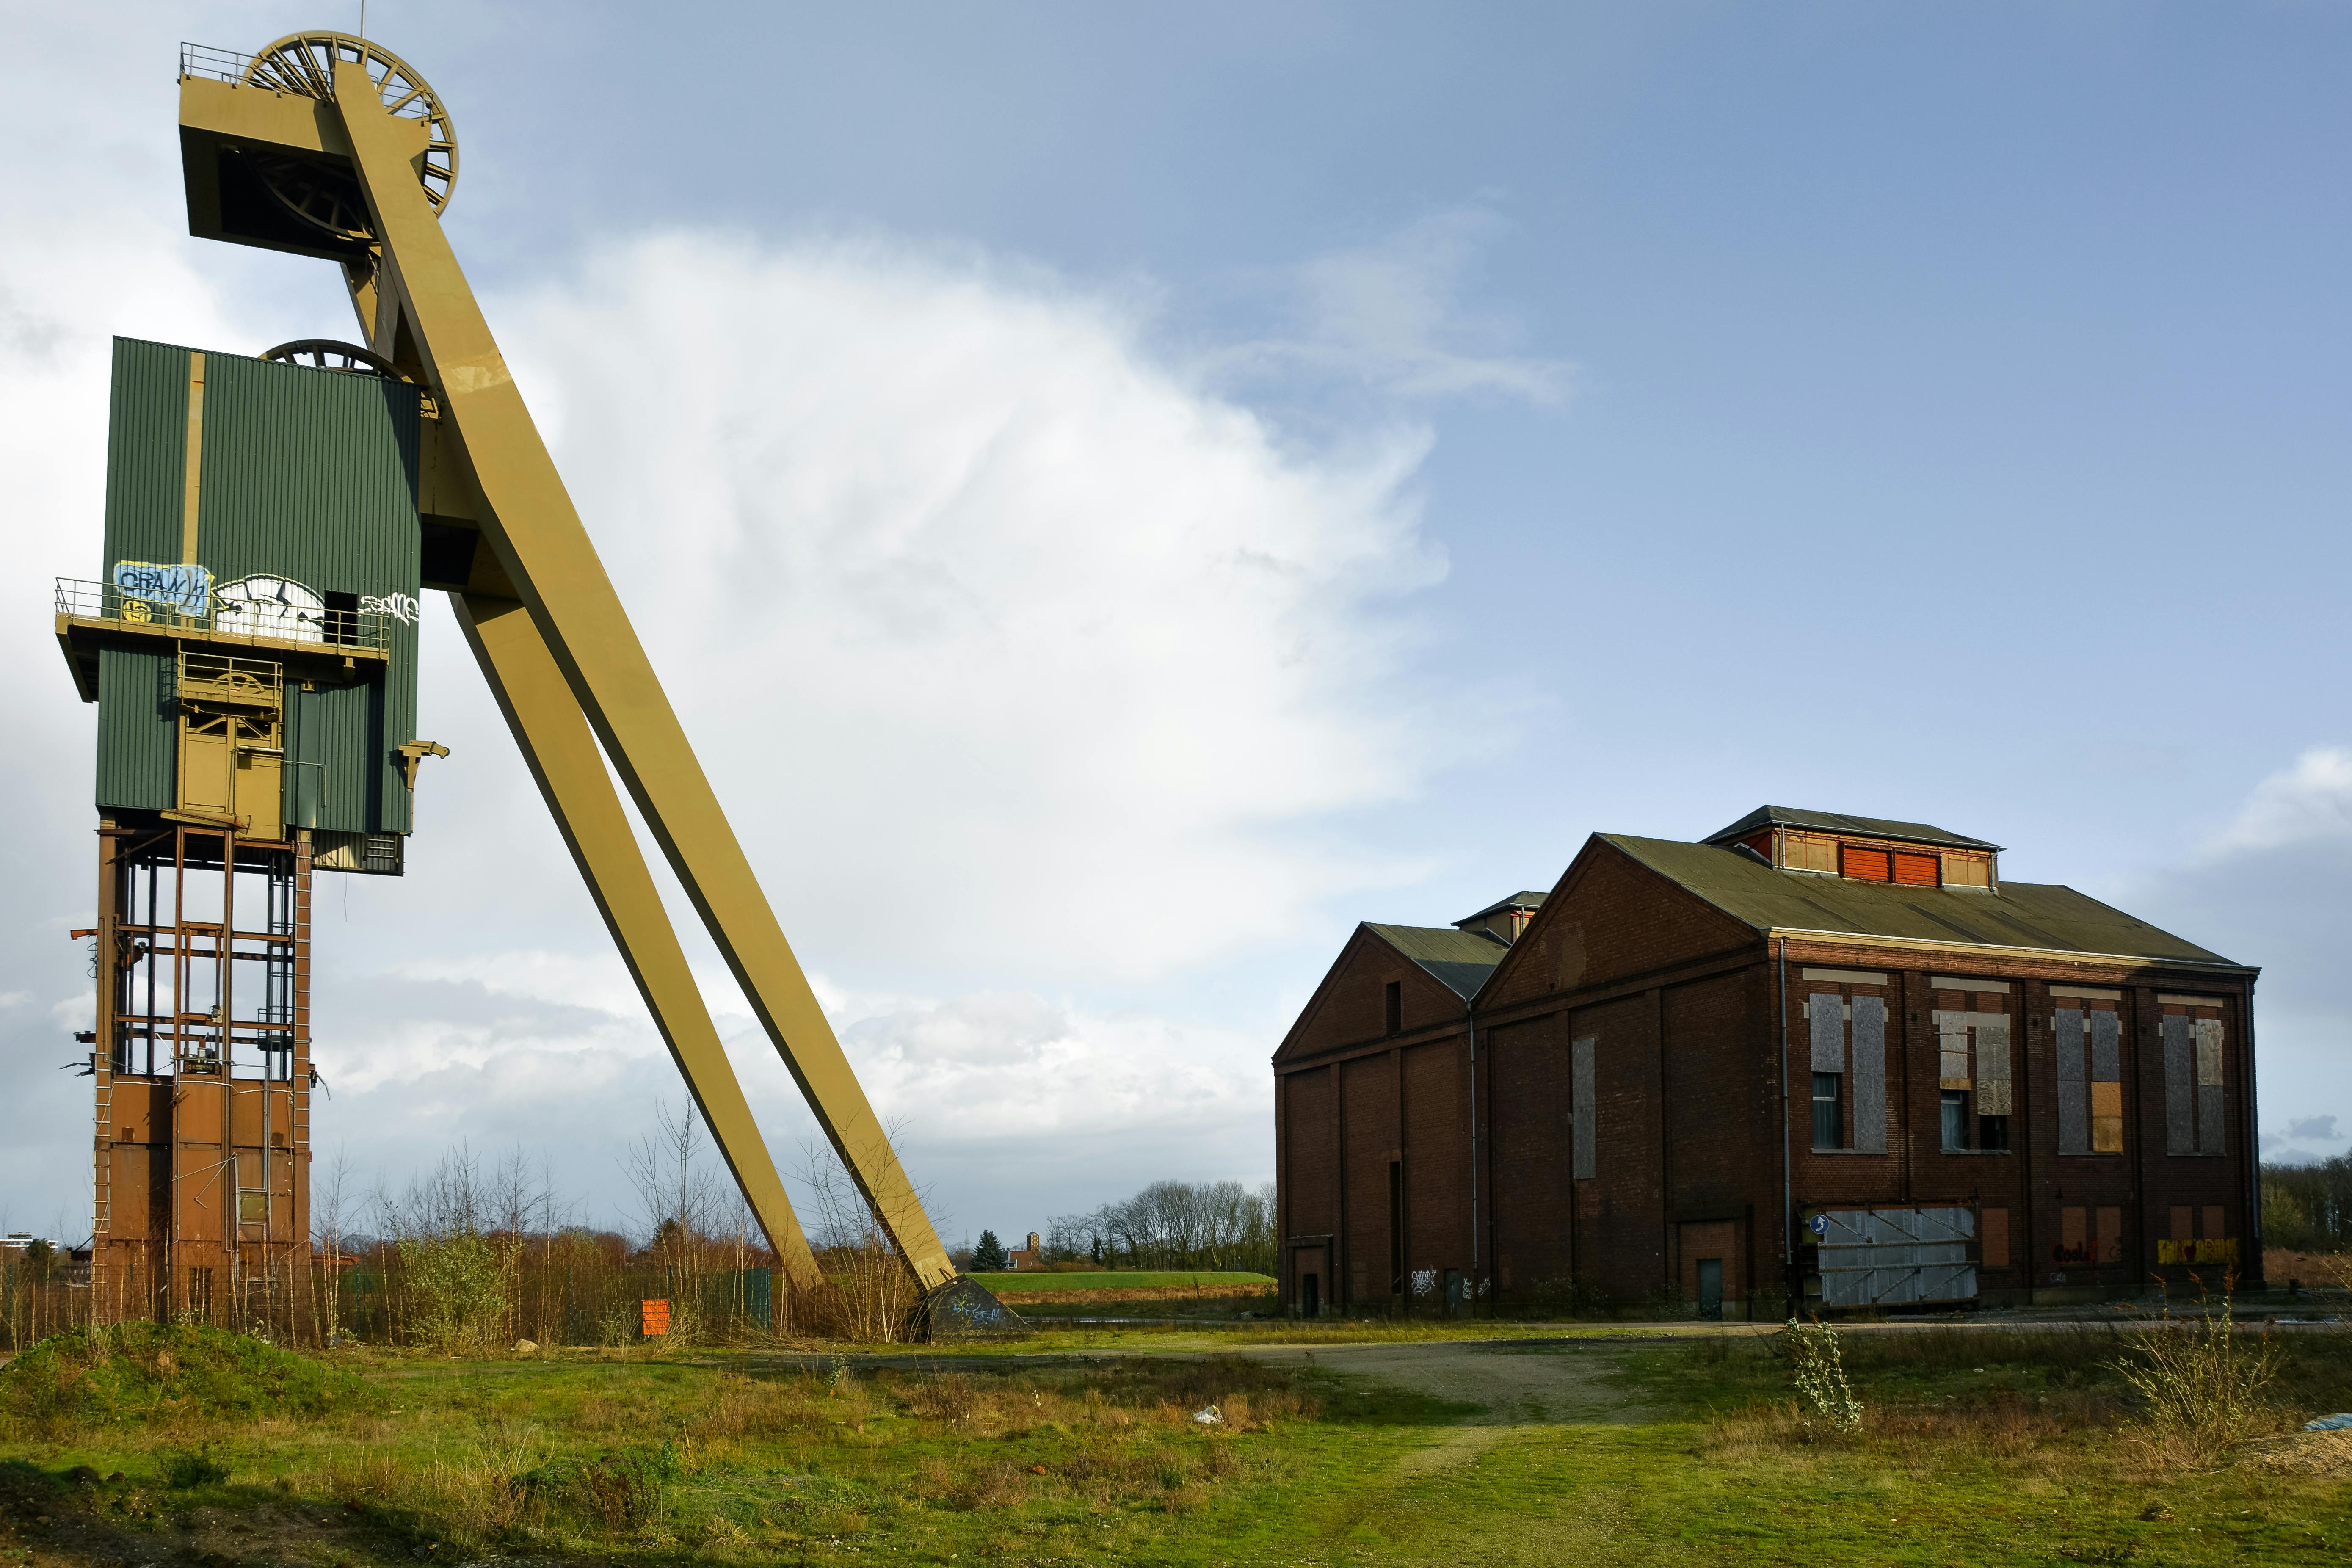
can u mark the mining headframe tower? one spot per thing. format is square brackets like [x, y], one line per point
[251, 643]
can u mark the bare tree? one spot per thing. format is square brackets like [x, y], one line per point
[870, 1293]
[676, 1191]
[331, 1205]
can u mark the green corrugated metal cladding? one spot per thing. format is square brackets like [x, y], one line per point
[135, 735]
[309, 475]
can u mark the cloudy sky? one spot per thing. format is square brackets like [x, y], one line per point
[1120, 496]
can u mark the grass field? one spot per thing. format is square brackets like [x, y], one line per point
[1120, 1279]
[1978, 1448]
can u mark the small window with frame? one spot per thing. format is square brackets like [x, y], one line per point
[1829, 1110]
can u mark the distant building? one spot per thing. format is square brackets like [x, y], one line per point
[1810, 1061]
[1030, 1257]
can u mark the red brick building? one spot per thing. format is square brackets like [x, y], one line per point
[1812, 1058]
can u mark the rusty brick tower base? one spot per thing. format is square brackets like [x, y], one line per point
[202, 1058]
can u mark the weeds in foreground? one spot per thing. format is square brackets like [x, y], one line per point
[2203, 1380]
[192, 1467]
[1817, 1371]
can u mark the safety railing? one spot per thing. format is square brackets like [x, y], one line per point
[306, 70]
[365, 629]
[217, 64]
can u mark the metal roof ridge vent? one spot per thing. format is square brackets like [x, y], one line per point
[1846, 824]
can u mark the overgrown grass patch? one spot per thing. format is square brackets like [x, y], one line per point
[151, 1372]
[652, 1460]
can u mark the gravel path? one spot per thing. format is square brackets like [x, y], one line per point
[1512, 1385]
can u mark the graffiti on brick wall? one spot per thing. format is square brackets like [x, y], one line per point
[2218, 1249]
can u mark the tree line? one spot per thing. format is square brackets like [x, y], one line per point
[2308, 1208]
[1205, 1225]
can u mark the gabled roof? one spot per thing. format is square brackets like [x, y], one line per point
[1832, 822]
[2023, 914]
[1526, 901]
[1460, 960]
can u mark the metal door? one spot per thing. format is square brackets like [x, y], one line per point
[1880, 1256]
[1710, 1289]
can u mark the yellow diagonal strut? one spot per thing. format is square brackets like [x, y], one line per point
[562, 757]
[531, 524]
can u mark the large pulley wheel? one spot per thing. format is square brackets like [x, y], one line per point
[304, 64]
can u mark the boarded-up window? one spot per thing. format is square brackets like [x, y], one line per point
[1967, 872]
[2073, 1081]
[2179, 1085]
[1914, 871]
[1587, 1161]
[2215, 1224]
[1825, 1016]
[2194, 1118]
[1864, 865]
[2111, 1236]
[2106, 1082]
[2106, 1118]
[1393, 1007]
[1992, 1064]
[2089, 1046]
[1983, 1036]
[1870, 1074]
[2208, 1086]
[1801, 852]
[1952, 1049]
[1992, 1226]
[2184, 1222]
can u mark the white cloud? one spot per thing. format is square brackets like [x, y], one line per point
[1390, 314]
[2268, 891]
[2310, 800]
[1011, 646]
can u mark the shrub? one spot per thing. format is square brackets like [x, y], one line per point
[456, 1290]
[2202, 1381]
[1817, 1371]
[620, 1491]
[192, 1467]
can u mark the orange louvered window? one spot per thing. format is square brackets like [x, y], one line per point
[1914, 871]
[1864, 864]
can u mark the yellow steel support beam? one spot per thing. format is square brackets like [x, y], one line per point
[530, 522]
[562, 757]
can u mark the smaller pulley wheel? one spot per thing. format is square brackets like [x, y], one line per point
[328, 353]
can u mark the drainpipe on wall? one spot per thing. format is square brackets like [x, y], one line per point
[1470, 1022]
[2252, 1143]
